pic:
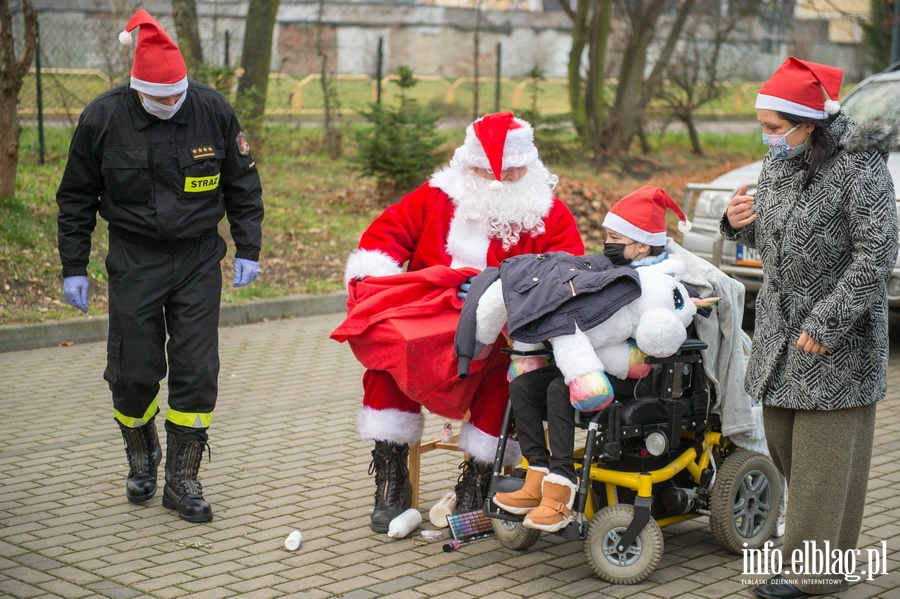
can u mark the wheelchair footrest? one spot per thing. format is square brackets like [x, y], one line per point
[502, 484]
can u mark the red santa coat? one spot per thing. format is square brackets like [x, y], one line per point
[420, 227]
[421, 231]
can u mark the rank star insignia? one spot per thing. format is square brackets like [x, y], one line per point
[202, 152]
[242, 144]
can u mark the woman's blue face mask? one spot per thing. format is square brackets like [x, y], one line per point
[779, 147]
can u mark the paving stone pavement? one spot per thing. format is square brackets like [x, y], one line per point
[286, 455]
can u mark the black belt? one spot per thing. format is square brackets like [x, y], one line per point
[167, 246]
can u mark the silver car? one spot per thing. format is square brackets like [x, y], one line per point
[705, 203]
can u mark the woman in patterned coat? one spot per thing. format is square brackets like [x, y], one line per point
[824, 222]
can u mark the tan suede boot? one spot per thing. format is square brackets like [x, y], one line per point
[528, 497]
[555, 511]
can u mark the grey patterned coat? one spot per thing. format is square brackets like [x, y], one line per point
[827, 252]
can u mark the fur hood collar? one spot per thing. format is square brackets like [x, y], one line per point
[877, 135]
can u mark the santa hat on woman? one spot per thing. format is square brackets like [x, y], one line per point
[158, 68]
[497, 141]
[641, 216]
[802, 88]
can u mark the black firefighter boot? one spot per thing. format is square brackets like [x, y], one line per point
[183, 492]
[472, 485]
[393, 491]
[144, 453]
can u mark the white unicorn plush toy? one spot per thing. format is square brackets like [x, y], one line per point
[654, 324]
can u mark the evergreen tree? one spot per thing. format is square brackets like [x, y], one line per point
[401, 149]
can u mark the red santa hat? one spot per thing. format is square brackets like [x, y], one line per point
[641, 216]
[158, 67]
[497, 141]
[802, 88]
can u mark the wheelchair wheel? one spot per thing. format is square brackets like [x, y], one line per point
[513, 535]
[744, 501]
[636, 562]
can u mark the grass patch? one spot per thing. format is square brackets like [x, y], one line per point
[316, 209]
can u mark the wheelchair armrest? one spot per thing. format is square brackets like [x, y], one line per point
[692, 345]
[522, 352]
[688, 352]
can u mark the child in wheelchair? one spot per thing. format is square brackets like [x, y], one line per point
[654, 452]
[635, 236]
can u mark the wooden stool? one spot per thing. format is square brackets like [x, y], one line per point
[415, 460]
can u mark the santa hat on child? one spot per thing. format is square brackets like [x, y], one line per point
[802, 88]
[641, 216]
[158, 67]
[497, 141]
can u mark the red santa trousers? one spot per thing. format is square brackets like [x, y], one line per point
[402, 328]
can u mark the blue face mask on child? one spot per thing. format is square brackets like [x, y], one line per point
[779, 147]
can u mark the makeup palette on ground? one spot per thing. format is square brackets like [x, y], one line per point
[469, 525]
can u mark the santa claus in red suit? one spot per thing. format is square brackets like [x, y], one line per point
[493, 201]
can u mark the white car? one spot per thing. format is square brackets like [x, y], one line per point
[705, 203]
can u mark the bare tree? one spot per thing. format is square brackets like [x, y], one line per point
[591, 23]
[255, 59]
[693, 74]
[659, 68]
[476, 75]
[12, 72]
[184, 12]
[608, 130]
[333, 137]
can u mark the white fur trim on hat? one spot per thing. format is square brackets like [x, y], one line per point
[369, 263]
[160, 90]
[777, 104]
[623, 227]
[390, 425]
[518, 150]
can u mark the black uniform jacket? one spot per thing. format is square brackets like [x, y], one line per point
[159, 183]
[547, 295]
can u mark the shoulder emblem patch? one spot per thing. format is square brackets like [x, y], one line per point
[242, 144]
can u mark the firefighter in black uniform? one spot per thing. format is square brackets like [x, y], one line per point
[162, 160]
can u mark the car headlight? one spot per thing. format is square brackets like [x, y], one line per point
[711, 204]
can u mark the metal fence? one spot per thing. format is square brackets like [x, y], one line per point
[65, 91]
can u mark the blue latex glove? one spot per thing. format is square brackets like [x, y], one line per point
[245, 271]
[464, 289]
[75, 292]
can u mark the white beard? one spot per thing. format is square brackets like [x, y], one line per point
[516, 209]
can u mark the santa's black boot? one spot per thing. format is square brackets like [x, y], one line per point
[393, 491]
[183, 492]
[472, 484]
[144, 453]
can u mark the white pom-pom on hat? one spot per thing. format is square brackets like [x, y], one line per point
[496, 185]
[125, 38]
[832, 106]
[684, 226]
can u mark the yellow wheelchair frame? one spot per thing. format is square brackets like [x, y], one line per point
[739, 490]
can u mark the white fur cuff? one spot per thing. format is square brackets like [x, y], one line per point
[369, 263]
[483, 447]
[390, 425]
